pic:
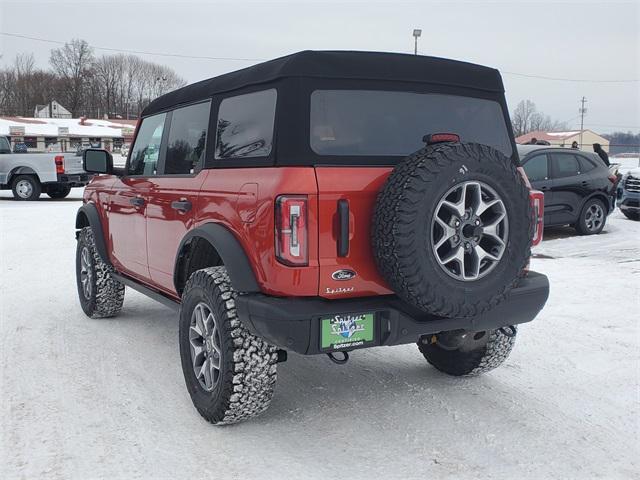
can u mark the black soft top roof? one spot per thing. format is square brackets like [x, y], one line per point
[340, 64]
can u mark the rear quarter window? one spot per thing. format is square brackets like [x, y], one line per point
[245, 125]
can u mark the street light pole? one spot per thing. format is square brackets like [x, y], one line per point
[416, 33]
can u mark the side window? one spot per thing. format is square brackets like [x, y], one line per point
[585, 164]
[537, 168]
[565, 165]
[245, 125]
[146, 149]
[187, 138]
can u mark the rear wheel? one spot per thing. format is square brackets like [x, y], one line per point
[631, 215]
[592, 218]
[58, 191]
[461, 353]
[230, 373]
[26, 187]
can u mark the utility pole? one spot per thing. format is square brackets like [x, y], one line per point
[583, 111]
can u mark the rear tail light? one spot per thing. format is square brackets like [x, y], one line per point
[613, 178]
[59, 159]
[536, 198]
[292, 236]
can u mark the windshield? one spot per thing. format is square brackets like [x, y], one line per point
[388, 123]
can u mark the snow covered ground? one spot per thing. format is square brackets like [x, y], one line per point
[85, 398]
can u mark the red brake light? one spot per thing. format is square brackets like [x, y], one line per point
[292, 240]
[613, 178]
[59, 160]
[536, 198]
[440, 138]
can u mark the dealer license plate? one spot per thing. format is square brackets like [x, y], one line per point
[343, 332]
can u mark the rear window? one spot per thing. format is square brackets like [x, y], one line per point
[386, 123]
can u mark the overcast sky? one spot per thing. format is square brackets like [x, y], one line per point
[576, 40]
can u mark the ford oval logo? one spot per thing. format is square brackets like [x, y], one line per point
[343, 275]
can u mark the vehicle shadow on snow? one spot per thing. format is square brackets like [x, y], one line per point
[373, 385]
[555, 233]
[42, 199]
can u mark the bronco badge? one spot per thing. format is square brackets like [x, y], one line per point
[343, 275]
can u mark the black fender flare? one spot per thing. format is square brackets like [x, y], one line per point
[231, 253]
[88, 216]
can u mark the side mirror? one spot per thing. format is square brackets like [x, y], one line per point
[96, 160]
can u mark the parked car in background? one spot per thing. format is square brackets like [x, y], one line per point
[628, 194]
[81, 148]
[28, 175]
[20, 148]
[578, 187]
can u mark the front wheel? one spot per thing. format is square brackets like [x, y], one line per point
[461, 353]
[592, 218]
[101, 296]
[230, 373]
[58, 191]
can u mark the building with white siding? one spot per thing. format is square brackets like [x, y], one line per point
[66, 134]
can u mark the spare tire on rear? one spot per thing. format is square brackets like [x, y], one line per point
[452, 229]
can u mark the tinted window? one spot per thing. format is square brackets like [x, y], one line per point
[146, 149]
[585, 164]
[368, 122]
[537, 168]
[4, 144]
[245, 125]
[565, 165]
[187, 138]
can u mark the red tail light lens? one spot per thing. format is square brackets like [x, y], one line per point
[292, 237]
[59, 160]
[613, 178]
[536, 198]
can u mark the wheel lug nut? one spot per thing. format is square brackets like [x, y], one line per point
[477, 221]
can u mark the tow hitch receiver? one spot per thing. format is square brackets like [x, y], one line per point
[339, 361]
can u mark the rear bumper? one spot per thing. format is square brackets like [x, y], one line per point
[294, 323]
[73, 179]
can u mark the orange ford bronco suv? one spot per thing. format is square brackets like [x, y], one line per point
[321, 202]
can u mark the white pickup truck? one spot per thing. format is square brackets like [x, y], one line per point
[30, 174]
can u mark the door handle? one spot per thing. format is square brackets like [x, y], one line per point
[181, 205]
[137, 201]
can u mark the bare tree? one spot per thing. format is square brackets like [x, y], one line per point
[114, 85]
[526, 118]
[521, 117]
[73, 64]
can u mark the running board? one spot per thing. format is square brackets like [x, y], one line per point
[149, 292]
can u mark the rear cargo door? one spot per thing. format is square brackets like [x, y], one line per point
[346, 197]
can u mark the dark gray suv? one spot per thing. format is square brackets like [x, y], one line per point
[578, 187]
